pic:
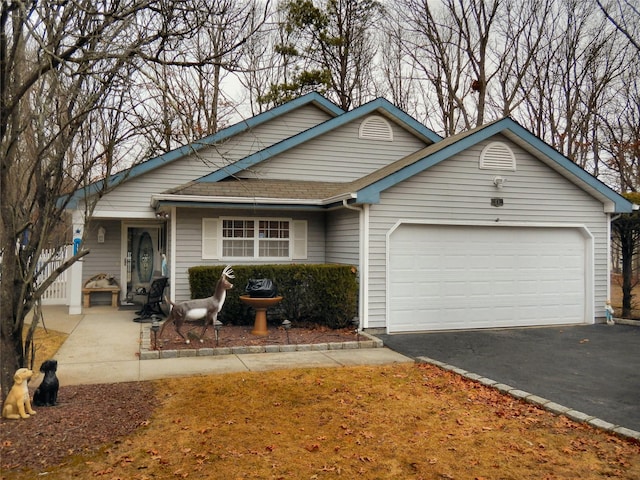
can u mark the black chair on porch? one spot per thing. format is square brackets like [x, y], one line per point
[151, 301]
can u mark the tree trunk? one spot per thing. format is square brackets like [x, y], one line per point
[10, 351]
[627, 247]
[11, 322]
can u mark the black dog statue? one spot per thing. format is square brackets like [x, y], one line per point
[46, 395]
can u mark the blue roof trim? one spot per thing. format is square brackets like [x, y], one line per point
[245, 206]
[371, 193]
[314, 132]
[404, 117]
[219, 136]
[622, 204]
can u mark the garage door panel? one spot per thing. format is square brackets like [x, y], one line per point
[452, 277]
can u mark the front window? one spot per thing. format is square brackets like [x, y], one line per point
[254, 238]
[241, 238]
[273, 238]
[238, 238]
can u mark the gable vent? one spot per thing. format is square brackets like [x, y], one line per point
[376, 128]
[497, 156]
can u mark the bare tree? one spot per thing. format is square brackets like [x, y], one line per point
[451, 42]
[397, 67]
[585, 61]
[625, 16]
[621, 134]
[434, 47]
[49, 89]
[522, 32]
[621, 151]
[185, 80]
[260, 64]
[69, 108]
[626, 234]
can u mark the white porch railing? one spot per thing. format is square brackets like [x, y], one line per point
[58, 292]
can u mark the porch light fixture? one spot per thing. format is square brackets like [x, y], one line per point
[162, 215]
[102, 232]
[499, 182]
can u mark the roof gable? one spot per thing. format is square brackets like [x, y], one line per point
[379, 105]
[369, 188]
[313, 98]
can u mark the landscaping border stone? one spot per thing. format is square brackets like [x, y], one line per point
[147, 353]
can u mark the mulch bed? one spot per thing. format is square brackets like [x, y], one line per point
[240, 336]
[85, 418]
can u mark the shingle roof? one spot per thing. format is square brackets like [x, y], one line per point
[255, 188]
[368, 188]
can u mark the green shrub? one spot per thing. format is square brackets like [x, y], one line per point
[324, 294]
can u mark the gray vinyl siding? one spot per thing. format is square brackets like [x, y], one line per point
[189, 240]
[337, 156]
[343, 237]
[104, 257]
[133, 197]
[456, 190]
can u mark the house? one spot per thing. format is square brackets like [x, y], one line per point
[488, 228]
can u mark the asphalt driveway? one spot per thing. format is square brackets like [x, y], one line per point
[594, 369]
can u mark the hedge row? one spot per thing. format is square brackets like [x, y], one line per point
[324, 294]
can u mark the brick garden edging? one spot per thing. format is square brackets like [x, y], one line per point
[548, 405]
[146, 353]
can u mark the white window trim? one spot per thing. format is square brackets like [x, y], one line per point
[212, 239]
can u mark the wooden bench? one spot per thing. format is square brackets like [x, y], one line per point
[100, 283]
[86, 295]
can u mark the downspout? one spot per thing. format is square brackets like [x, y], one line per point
[364, 261]
[172, 258]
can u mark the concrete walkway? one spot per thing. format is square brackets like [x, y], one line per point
[104, 343]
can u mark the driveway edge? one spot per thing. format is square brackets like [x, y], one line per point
[548, 405]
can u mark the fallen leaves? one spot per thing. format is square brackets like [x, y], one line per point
[402, 421]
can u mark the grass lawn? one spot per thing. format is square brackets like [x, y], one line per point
[408, 421]
[398, 421]
[46, 343]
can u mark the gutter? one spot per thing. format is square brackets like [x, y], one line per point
[346, 205]
[156, 199]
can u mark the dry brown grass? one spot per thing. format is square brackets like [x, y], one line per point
[616, 297]
[46, 342]
[399, 421]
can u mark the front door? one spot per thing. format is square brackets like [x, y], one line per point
[144, 249]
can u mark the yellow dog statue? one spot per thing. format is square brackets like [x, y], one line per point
[17, 403]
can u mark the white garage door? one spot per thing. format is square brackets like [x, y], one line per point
[462, 277]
